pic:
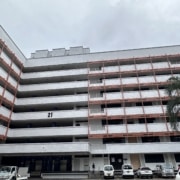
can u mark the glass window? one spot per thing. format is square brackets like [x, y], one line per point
[154, 158]
[177, 157]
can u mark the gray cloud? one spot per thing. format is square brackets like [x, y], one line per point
[101, 25]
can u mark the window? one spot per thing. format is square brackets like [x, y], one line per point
[98, 68]
[175, 138]
[175, 61]
[147, 103]
[141, 121]
[154, 158]
[177, 157]
[150, 120]
[113, 140]
[150, 139]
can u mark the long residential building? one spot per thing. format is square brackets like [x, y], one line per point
[63, 110]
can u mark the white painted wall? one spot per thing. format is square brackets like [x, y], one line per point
[138, 148]
[3, 73]
[107, 69]
[83, 130]
[5, 58]
[33, 148]
[2, 130]
[128, 67]
[160, 65]
[52, 99]
[43, 115]
[48, 132]
[121, 54]
[111, 69]
[12, 81]
[8, 61]
[4, 111]
[16, 68]
[8, 95]
[143, 66]
[48, 74]
[53, 86]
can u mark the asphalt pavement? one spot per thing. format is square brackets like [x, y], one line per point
[118, 178]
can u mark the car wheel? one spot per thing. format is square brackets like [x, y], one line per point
[14, 178]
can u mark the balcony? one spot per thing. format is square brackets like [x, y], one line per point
[53, 86]
[2, 130]
[136, 110]
[132, 129]
[7, 94]
[136, 148]
[47, 132]
[54, 74]
[44, 115]
[4, 111]
[45, 148]
[69, 99]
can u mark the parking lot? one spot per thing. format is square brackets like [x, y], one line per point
[116, 178]
[98, 176]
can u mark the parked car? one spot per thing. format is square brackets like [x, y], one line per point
[144, 172]
[165, 170]
[127, 171]
[108, 171]
[178, 175]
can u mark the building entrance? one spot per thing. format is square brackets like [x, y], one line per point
[116, 160]
[41, 163]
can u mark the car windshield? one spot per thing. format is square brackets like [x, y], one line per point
[5, 169]
[145, 168]
[127, 167]
[108, 168]
[168, 166]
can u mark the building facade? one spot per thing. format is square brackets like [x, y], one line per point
[63, 110]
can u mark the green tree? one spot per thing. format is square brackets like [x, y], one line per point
[173, 105]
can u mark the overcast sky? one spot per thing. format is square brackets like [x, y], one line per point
[101, 25]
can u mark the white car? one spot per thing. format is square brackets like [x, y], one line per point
[178, 175]
[108, 171]
[144, 172]
[127, 171]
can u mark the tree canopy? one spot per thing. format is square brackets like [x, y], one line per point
[173, 105]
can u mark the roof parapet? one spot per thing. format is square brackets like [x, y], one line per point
[60, 52]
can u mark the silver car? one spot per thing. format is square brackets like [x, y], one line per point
[144, 172]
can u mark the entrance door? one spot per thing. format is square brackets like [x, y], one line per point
[116, 160]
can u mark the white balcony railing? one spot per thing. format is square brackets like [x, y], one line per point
[52, 99]
[53, 86]
[43, 115]
[137, 148]
[49, 74]
[134, 128]
[45, 148]
[47, 132]
[83, 130]
[2, 130]
[4, 111]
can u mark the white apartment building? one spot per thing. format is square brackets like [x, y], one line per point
[63, 110]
